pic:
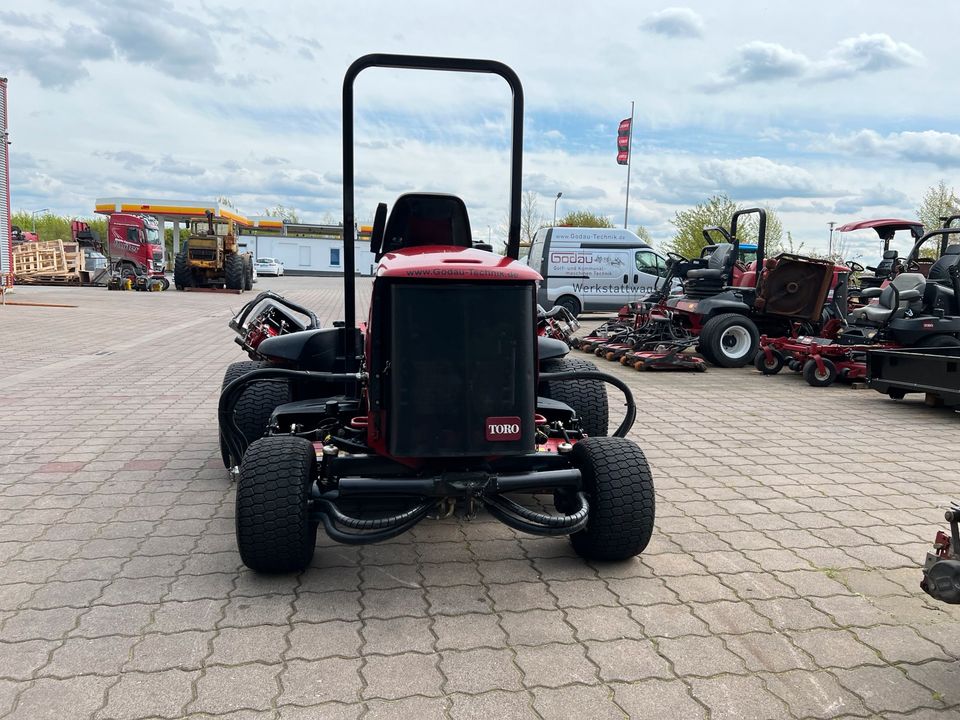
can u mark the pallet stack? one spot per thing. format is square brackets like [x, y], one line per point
[50, 261]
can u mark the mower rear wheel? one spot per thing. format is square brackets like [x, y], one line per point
[233, 271]
[274, 531]
[619, 487]
[729, 340]
[771, 366]
[819, 378]
[255, 406]
[588, 398]
[896, 393]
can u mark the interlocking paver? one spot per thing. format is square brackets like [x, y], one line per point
[477, 671]
[574, 702]
[782, 574]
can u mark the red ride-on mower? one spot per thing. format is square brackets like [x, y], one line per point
[912, 311]
[402, 427]
[729, 306]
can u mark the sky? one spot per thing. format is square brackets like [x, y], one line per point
[821, 111]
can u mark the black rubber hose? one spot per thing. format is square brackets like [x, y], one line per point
[522, 525]
[372, 523]
[232, 436]
[366, 538]
[631, 414]
[540, 518]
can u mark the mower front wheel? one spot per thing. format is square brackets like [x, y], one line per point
[817, 377]
[770, 366]
[588, 398]
[619, 487]
[729, 340]
[255, 405]
[274, 531]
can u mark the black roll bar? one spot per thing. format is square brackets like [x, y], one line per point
[944, 234]
[418, 62]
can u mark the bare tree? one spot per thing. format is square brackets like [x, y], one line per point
[531, 219]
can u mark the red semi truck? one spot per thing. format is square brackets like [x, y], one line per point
[135, 246]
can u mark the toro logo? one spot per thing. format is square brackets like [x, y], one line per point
[502, 428]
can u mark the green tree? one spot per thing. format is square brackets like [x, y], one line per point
[718, 211]
[584, 218]
[644, 234]
[938, 201]
[55, 227]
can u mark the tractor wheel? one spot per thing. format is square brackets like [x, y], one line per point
[255, 406]
[938, 341]
[182, 275]
[570, 303]
[233, 270]
[619, 487]
[771, 366]
[164, 283]
[729, 340]
[819, 378]
[588, 398]
[274, 531]
[247, 273]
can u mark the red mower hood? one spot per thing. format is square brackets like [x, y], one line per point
[443, 262]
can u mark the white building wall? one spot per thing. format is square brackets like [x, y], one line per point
[306, 254]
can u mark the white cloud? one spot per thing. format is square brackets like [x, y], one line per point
[768, 62]
[866, 54]
[674, 22]
[928, 146]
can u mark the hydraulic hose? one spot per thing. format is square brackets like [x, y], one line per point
[233, 437]
[373, 523]
[523, 525]
[365, 538]
[545, 519]
[631, 414]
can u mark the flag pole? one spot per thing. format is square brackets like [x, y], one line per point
[626, 208]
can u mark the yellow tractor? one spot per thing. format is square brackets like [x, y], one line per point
[211, 258]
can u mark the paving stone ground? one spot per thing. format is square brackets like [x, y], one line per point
[781, 581]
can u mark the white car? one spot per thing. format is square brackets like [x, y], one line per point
[269, 266]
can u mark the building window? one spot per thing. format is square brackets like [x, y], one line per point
[335, 257]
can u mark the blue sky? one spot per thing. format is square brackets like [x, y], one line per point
[823, 111]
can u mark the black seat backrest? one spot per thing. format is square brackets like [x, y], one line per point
[419, 219]
[721, 257]
[885, 266]
[940, 270]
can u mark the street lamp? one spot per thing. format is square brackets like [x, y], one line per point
[559, 194]
[33, 217]
[830, 246]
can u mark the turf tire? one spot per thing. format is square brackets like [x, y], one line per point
[182, 275]
[712, 340]
[274, 531]
[255, 406]
[587, 397]
[619, 487]
[817, 379]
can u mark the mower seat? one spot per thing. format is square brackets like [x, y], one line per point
[940, 271]
[420, 219]
[910, 287]
[717, 264]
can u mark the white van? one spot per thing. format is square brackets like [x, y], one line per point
[593, 269]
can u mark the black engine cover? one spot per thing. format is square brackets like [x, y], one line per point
[459, 370]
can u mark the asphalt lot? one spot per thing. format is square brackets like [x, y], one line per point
[782, 581]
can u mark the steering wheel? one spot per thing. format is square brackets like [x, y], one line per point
[855, 266]
[676, 257]
[913, 265]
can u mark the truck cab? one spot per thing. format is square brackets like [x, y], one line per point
[135, 244]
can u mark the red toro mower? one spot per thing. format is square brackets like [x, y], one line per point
[389, 428]
[728, 306]
[911, 311]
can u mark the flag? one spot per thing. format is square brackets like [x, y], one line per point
[623, 142]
